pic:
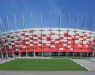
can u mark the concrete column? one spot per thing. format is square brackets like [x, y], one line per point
[34, 53]
[26, 53]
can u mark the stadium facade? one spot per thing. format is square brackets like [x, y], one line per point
[47, 42]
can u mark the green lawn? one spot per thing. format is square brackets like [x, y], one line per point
[42, 65]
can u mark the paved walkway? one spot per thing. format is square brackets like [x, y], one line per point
[46, 73]
[3, 60]
[88, 64]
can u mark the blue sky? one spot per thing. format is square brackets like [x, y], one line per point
[81, 8]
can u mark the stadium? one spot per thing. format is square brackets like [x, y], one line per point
[44, 41]
[47, 37]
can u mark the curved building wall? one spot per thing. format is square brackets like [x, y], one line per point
[46, 40]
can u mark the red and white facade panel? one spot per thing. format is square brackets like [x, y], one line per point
[47, 41]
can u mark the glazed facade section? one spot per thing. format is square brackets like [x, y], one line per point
[47, 41]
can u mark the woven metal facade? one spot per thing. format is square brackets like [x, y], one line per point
[47, 40]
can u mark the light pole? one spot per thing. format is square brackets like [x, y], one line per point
[9, 25]
[23, 23]
[76, 25]
[16, 34]
[4, 29]
[41, 34]
[68, 22]
[85, 18]
[59, 33]
[32, 21]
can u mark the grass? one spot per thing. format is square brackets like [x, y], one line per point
[42, 65]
